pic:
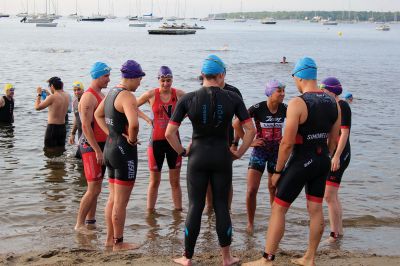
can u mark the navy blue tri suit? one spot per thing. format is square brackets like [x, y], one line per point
[120, 157]
[335, 178]
[210, 109]
[309, 164]
[7, 111]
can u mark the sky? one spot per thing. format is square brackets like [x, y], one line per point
[194, 8]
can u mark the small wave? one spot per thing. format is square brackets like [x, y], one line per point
[57, 51]
[372, 221]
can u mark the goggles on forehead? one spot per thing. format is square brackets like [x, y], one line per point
[165, 76]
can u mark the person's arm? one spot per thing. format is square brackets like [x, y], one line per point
[100, 117]
[249, 133]
[145, 97]
[73, 132]
[334, 134]
[87, 106]
[39, 105]
[2, 102]
[293, 115]
[129, 106]
[173, 126]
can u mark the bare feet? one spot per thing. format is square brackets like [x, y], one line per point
[230, 261]
[84, 231]
[259, 262]
[250, 229]
[303, 261]
[125, 246]
[183, 261]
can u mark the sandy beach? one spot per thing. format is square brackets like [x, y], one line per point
[88, 257]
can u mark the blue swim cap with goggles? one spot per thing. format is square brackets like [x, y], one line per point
[99, 69]
[305, 68]
[213, 65]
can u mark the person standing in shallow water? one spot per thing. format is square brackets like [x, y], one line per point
[7, 105]
[340, 160]
[269, 117]
[210, 110]
[162, 101]
[117, 115]
[78, 89]
[91, 145]
[310, 137]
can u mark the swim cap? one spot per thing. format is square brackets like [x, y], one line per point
[347, 95]
[305, 68]
[165, 72]
[213, 65]
[131, 70]
[272, 86]
[78, 84]
[332, 84]
[8, 87]
[99, 69]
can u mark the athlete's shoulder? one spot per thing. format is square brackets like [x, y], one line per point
[231, 88]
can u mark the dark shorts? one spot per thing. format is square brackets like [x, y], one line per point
[122, 161]
[160, 149]
[334, 178]
[93, 170]
[261, 158]
[55, 136]
[308, 170]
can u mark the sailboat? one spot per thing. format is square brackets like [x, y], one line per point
[74, 15]
[41, 18]
[3, 15]
[241, 18]
[95, 18]
[111, 8]
[150, 17]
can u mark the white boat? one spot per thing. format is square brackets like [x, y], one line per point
[315, 19]
[137, 25]
[47, 25]
[150, 18]
[38, 20]
[269, 21]
[241, 18]
[383, 27]
[329, 22]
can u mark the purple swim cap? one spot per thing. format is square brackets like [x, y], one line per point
[165, 72]
[333, 85]
[131, 70]
[272, 86]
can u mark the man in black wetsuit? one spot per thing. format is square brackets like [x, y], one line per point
[118, 117]
[210, 109]
[310, 136]
[7, 105]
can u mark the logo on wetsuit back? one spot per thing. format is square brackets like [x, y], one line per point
[317, 136]
[204, 113]
[308, 163]
[219, 114]
[131, 169]
[109, 121]
[121, 150]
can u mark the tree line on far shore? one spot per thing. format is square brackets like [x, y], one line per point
[332, 15]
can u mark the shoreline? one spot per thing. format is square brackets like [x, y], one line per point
[66, 256]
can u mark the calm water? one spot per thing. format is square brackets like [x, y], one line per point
[39, 196]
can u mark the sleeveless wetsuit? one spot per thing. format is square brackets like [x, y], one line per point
[93, 171]
[159, 147]
[310, 162]
[120, 157]
[7, 111]
[210, 110]
[335, 178]
[269, 128]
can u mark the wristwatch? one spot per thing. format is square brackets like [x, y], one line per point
[277, 172]
[183, 154]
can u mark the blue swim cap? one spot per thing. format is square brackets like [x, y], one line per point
[347, 95]
[305, 68]
[99, 69]
[213, 65]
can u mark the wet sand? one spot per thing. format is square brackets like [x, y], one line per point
[141, 257]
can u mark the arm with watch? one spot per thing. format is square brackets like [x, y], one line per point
[172, 137]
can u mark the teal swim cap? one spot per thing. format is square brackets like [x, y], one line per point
[99, 69]
[213, 65]
[305, 68]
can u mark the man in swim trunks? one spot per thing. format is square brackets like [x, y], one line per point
[162, 101]
[57, 102]
[91, 145]
[311, 132]
[7, 105]
[340, 160]
[117, 115]
[78, 89]
[269, 117]
[210, 109]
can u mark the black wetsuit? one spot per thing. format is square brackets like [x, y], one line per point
[229, 87]
[310, 163]
[7, 111]
[210, 110]
[335, 178]
[55, 135]
[120, 157]
[78, 122]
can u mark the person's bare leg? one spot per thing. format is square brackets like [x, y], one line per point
[87, 202]
[152, 191]
[174, 180]
[209, 199]
[253, 183]
[316, 231]
[333, 210]
[271, 189]
[122, 194]
[108, 216]
[340, 224]
[227, 258]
